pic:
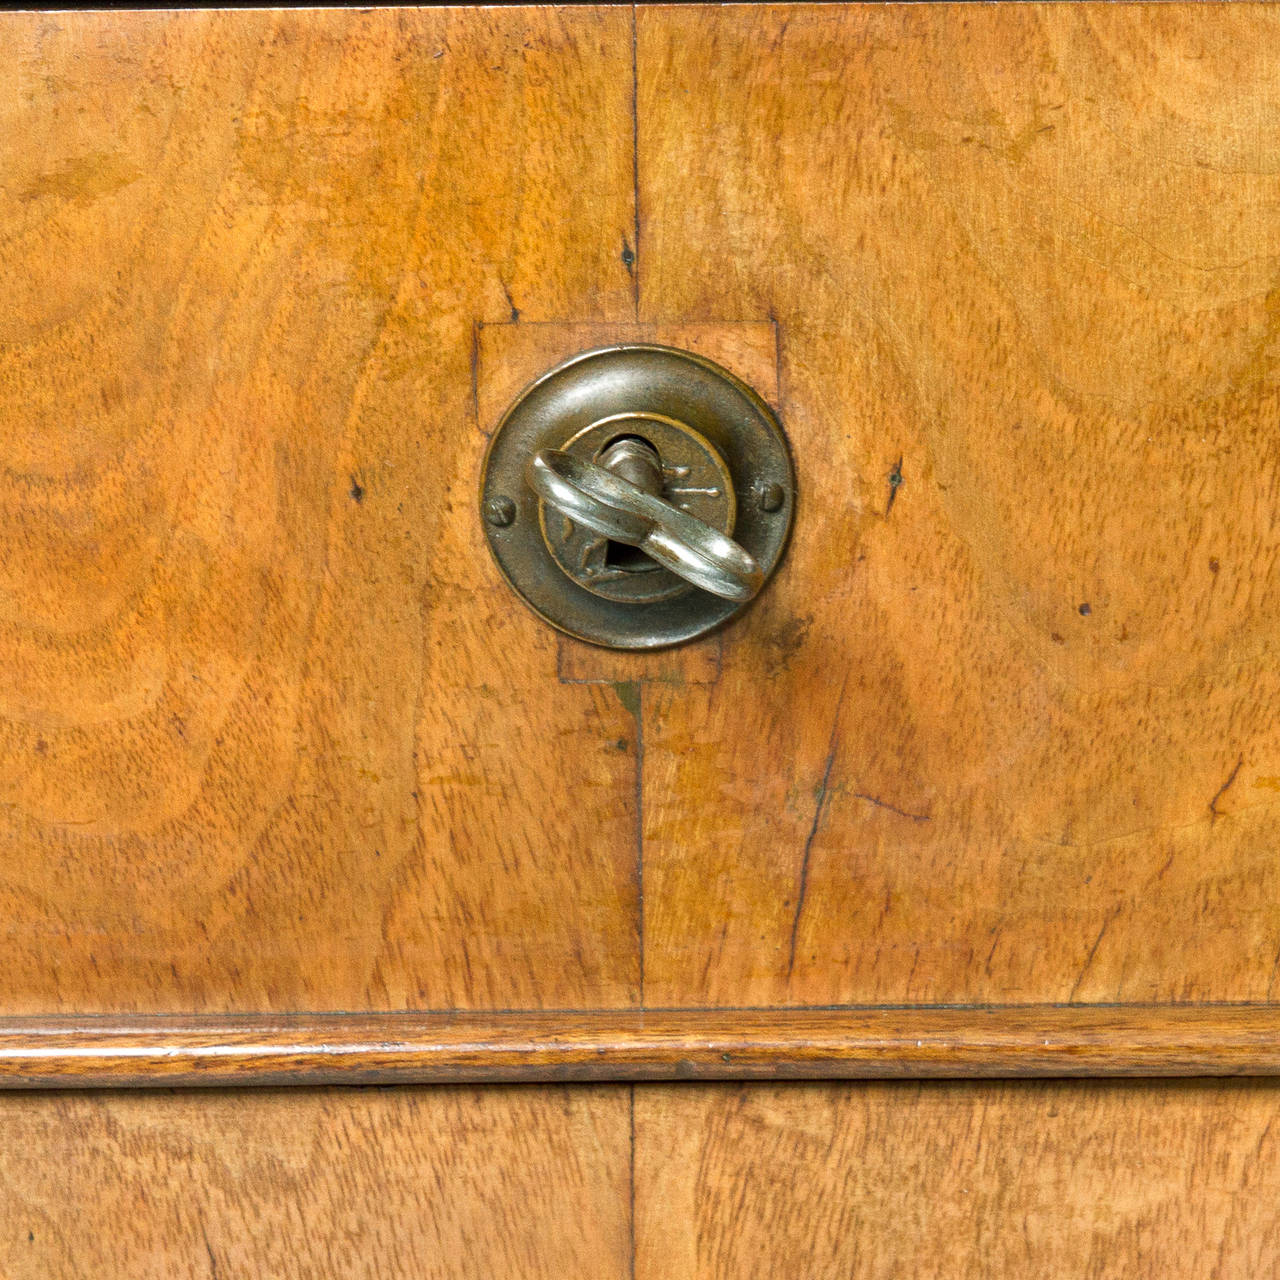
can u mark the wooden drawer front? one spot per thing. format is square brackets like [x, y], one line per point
[950, 1181]
[277, 739]
[297, 1185]
[1026, 1179]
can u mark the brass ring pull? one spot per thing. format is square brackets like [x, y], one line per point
[622, 505]
[626, 474]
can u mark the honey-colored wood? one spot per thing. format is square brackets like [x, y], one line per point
[701, 1044]
[274, 735]
[946, 1180]
[276, 739]
[956, 1181]
[1003, 727]
[285, 767]
[309, 1185]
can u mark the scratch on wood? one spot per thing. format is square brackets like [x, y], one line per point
[1093, 951]
[208, 1248]
[506, 293]
[819, 809]
[892, 808]
[1222, 790]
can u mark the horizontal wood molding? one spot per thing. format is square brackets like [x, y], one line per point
[702, 1044]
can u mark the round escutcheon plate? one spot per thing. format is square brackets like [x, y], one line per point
[724, 460]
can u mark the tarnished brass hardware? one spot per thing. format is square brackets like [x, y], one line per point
[693, 475]
[622, 511]
[637, 496]
[636, 461]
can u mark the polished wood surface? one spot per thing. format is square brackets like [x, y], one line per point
[1002, 729]
[274, 735]
[699, 1044]
[1025, 1179]
[294, 790]
[436, 1184]
[275, 738]
[955, 1181]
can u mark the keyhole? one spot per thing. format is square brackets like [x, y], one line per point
[635, 459]
[625, 559]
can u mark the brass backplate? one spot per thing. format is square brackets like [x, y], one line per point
[634, 381]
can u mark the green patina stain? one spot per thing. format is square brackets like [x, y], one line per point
[84, 179]
[628, 692]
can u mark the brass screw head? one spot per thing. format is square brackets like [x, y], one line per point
[770, 497]
[500, 512]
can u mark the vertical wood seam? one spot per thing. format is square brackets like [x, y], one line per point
[635, 168]
[632, 1178]
[639, 718]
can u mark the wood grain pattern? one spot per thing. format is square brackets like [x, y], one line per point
[732, 1044]
[310, 1185]
[1002, 729]
[947, 1180]
[273, 733]
[955, 1181]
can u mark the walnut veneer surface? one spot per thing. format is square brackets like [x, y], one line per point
[660, 1182]
[276, 738]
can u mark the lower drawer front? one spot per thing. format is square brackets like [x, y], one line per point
[1028, 1179]
[1077, 1179]
[359, 1184]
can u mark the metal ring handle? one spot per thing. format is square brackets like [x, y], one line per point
[595, 497]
